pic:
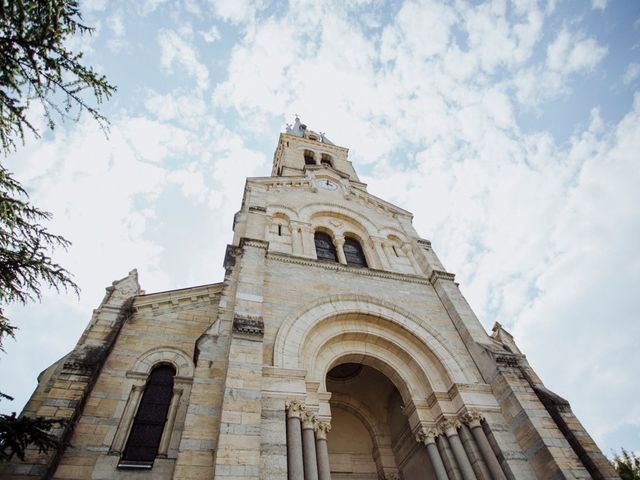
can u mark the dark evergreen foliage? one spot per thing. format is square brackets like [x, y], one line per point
[37, 65]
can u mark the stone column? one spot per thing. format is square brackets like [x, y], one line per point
[308, 243]
[449, 428]
[428, 438]
[473, 420]
[389, 254]
[127, 419]
[295, 466]
[309, 446]
[447, 457]
[473, 453]
[384, 261]
[171, 419]
[296, 239]
[324, 471]
[339, 242]
[408, 250]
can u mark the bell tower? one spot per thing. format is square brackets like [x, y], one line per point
[336, 347]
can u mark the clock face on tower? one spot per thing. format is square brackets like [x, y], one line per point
[328, 184]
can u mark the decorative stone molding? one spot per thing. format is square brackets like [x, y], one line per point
[256, 208]
[295, 408]
[507, 360]
[309, 420]
[440, 275]
[369, 272]
[449, 426]
[186, 297]
[322, 428]
[248, 325]
[389, 476]
[423, 242]
[253, 242]
[472, 418]
[427, 435]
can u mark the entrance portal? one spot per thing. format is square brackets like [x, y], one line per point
[370, 437]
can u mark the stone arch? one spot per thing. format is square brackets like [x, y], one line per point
[295, 330]
[288, 212]
[313, 209]
[379, 339]
[387, 232]
[173, 356]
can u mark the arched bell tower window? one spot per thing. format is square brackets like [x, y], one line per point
[353, 252]
[148, 425]
[326, 160]
[325, 249]
[309, 158]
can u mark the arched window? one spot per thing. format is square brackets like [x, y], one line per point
[325, 250]
[326, 160]
[353, 252]
[309, 158]
[146, 431]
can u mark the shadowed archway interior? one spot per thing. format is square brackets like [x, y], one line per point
[370, 436]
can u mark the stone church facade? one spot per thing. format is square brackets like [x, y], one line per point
[337, 346]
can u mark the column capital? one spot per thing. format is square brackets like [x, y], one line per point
[309, 420]
[338, 239]
[472, 418]
[294, 408]
[322, 428]
[426, 435]
[449, 426]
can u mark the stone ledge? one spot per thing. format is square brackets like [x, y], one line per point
[339, 267]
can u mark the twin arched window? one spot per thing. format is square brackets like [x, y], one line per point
[326, 250]
[353, 252]
[149, 423]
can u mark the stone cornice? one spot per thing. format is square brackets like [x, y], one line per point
[178, 297]
[440, 275]
[253, 242]
[354, 194]
[339, 267]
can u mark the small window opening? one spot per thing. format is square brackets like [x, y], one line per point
[395, 250]
[279, 230]
[308, 158]
[353, 252]
[326, 160]
[325, 249]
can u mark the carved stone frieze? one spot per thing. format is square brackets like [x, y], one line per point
[248, 325]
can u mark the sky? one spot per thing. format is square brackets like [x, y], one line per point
[511, 129]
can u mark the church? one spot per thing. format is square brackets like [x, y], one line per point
[337, 346]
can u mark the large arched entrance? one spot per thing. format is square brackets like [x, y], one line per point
[370, 437]
[380, 379]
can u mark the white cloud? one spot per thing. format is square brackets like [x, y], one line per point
[569, 54]
[236, 11]
[631, 73]
[211, 35]
[599, 4]
[176, 50]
